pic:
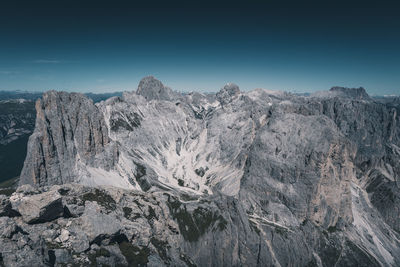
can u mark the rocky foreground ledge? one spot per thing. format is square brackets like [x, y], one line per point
[74, 225]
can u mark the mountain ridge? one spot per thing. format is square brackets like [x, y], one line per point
[256, 174]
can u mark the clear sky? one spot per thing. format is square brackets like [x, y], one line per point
[101, 46]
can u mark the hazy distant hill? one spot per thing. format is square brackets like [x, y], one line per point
[9, 95]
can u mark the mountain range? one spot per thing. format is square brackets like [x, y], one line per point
[156, 177]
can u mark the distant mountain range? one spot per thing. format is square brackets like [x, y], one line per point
[17, 94]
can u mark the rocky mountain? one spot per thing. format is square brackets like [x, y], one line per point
[259, 178]
[17, 122]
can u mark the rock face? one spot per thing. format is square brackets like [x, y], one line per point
[17, 122]
[70, 134]
[257, 178]
[229, 92]
[152, 89]
[356, 93]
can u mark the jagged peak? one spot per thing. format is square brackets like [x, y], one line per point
[231, 88]
[152, 89]
[227, 93]
[358, 93]
[63, 98]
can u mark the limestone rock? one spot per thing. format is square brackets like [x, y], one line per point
[38, 208]
[259, 178]
[228, 93]
[357, 93]
[152, 89]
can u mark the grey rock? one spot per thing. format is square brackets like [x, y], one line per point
[259, 178]
[64, 236]
[67, 126]
[62, 256]
[152, 89]
[27, 189]
[38, 208]
[357, 93]
[228, 93]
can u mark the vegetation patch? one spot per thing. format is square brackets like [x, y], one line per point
[102, 252]
[304, 222]
[127, 212]
[152, 214]
[222, 223]
[200, 171]
[332, 229]
[127, 121]
[161, 247]
[138, 203]
[119, 123]
[63, 191]
[135, 256]
[140, 173]
[102, 198]
[53, 245]
[193, 225]
[282, 231]
[187, 197]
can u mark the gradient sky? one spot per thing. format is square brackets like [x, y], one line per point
[298, 46]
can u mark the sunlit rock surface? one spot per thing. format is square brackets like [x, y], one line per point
[259, 178]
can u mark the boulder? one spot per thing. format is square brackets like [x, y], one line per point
[39, 208]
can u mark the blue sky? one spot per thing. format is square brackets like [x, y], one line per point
[107, 46]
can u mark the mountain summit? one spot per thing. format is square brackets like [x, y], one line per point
[152, 89]
[227, 93]
[358, 93]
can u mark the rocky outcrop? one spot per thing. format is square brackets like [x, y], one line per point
[152, 89]
[114, 226]
[38, 208]
[234, 178]
[229, 92]
[17, 122]
[69, 135]
[356, 93]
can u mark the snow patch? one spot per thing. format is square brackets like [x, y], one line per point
[97, 176]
